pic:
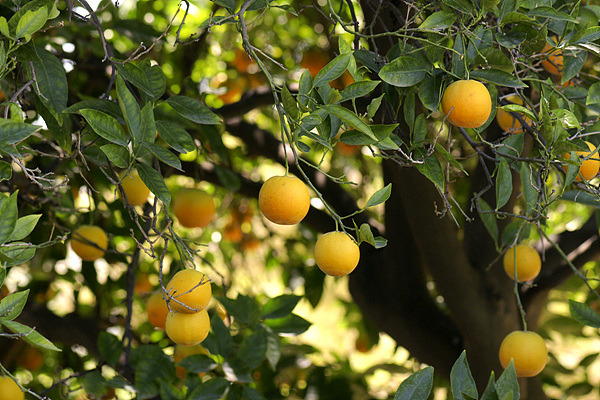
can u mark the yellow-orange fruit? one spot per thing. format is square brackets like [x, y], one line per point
[190, 287]
[527, 350]
[589, 168]
[467, 104]
[187, 329]
[554, 62]
[31, 358]
[9, 390]
[157, 310]
[135, 189]
[284, 200]
[506, 121]
[193, 208]
[336, 254]
[89, 242]
[527, 261]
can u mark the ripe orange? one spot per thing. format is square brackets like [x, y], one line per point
[554, 62]
[30, 358]
[528, 262]
[284, 200]
[241, 60]
[336, 254]
[89, 242]
[9, 390]
[506, 121]
[142, 284]
[527, 350]
[589, 168]
[190, 287]
[157, 310]
[193, 208]
[4, 292]
[181, 353]
[135, 189]
[467, 104]
[187, 329]
[314, 61]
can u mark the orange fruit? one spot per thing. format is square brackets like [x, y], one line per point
[506, 121]
[554, 62]
[9, 390]
[4, 292]
[336, 254]
[31, 358]
[157, 310]
[181, 353]
[527, 350]
[284, 200]
[527, 260]
[589, 168]
[187, 329]
[314, 61]
[142, 284]
[193, 208]
[190, 287]
[241, 60]
[135, 189]
[89, 242]
[467, 104]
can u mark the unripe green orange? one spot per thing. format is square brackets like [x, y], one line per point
[527, 350]
[89, 242]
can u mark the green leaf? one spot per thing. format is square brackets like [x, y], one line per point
[289, 103]
[304, 87]
[105, 126]
[464, 6]
[228, 178]
[5, 171]
[431, 168]
[229, 5]
[280, 306]
[149, 79]
[16, 253]
[430, 90]
[253, 349]
[197, 363]
[380, 196]
[129, 108]
[151, 366]
[13, 132]
[507, 383]
[193, 110]
[586, 36]
[584, 314]
[155, 182]
[12, 305]
[8, 216]
[461, 380]
[529, 190]
[31, 22]
[213, 389]
[244, 309]
[4, 27]
[459, 57]
[488, 219]
[30, 335]
[438, 21]
[106, 106]
[419, 132]
[358, 89]
[24, 226]
[116, 154]
[175, 136]
[221, 335]
[51, 82]
[333, 70]
[417, 386]
[164, 155]
[550, 13]
[147, 132]
[581, 197]
[291, 325]
[593, 95]
[249, 393]
[274, 349]
[404, 72]
[109, 347]
[498, 77]
[490, 391]
[503, 184]
[349, 118]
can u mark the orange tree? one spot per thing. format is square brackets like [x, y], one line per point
[210, 96]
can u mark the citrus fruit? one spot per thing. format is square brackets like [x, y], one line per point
[135, 189]
[9, 390]
[527, 350]
[191, 288]
[187, 329]
[589, 168]
[284, 200]
[528, 262]
[554, 62]
[467, 104]
[336, 254]
[193, 208]
[157, 310]
[89, 242]
[181, 353]
[506, 121]
[31, 358]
